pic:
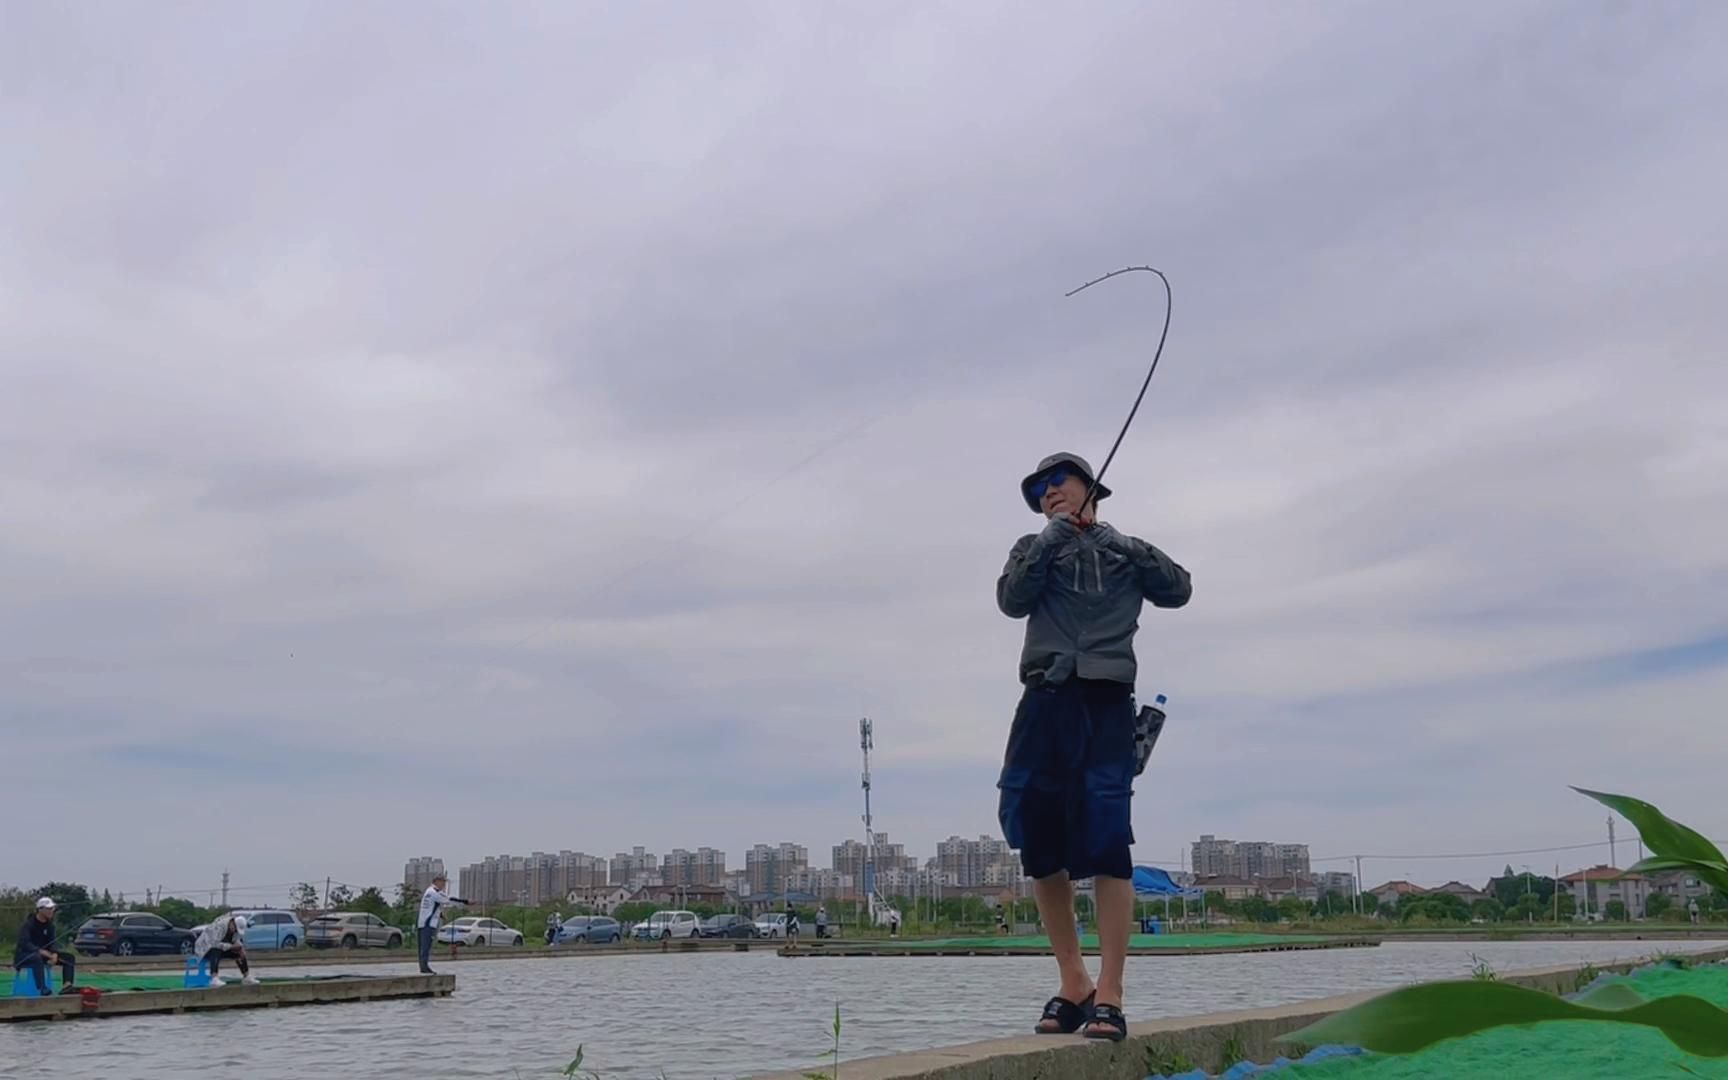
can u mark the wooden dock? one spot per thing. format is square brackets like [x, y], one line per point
[264, 995]
[982, 947]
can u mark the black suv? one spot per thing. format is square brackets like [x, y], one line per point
[127, 933]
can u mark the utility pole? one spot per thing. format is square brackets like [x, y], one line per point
[866, 740]
[1556, 892]
[326, 894]
[224, 888]
[1358, 891]
[1611, 860]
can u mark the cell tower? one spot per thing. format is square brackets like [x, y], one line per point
[867, 741]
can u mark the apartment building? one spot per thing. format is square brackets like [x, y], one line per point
[768, 866]
[824, 884]
[969, 862]
[539, 878]
[1249, 859]
[635, 867]
[417, 874]
[704, 866]
[851, 857]
[924, 881]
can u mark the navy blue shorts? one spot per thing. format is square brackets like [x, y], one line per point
[1067, 780]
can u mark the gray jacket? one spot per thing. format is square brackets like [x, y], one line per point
[1082, 603]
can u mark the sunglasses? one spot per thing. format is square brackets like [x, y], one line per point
[1049, 480]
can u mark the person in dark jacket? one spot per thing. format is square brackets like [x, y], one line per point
[35, 949]
[1066, 778]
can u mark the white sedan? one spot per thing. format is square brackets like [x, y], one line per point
[478, 930]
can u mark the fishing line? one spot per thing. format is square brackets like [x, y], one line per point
[1169, 303]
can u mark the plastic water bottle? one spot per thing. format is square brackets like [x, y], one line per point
[1147, 726]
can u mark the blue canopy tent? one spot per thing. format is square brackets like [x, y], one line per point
[1151, 881]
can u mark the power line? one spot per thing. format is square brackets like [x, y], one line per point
[1469, 854]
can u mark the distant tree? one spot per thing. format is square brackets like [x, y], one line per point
[634, 912]
[107, 902]
[74, 898]
[1510, 887]
[1370, 903]
[341, 896]
[1259, 909]
[1568, 905]
[182, 913]
[1487, 909]
[1657, 904]
[1216, 902]
[1615, 910]
[1292, 908]
[303, 897]
[371, 900]
[1527, 909]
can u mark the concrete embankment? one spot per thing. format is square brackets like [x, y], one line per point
[1212, 1041]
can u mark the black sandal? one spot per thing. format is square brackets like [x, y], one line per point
[1068, 1016]
[1109, 1016]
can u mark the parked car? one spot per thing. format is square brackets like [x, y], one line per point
[269, 930]
[479, 930]
[771, 925]
[352, 930]
[131, 933]
[728, 926]
[669, 924]
[589, 929]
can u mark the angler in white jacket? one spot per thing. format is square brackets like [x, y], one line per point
[432, 905]
[225, 936]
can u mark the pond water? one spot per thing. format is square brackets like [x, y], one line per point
[713, 1014]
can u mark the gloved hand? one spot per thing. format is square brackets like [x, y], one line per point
[1104, 535]
[1060, 529]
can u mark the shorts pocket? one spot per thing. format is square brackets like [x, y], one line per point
[1011, 804]
[1109, 810]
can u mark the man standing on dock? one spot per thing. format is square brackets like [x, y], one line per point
[1068, 771]
[432, 905]
[35, 949]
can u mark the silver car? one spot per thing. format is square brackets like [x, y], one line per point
[352, 930]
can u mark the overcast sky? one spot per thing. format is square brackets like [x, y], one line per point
[455, 430]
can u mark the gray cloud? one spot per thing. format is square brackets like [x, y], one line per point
[589, 414]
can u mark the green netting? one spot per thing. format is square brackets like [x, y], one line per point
[1138, 941]
[110, 982]
[1575, 1050]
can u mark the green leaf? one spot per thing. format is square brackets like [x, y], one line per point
[1409, 1019]
[1662, 835]
[1714, 872]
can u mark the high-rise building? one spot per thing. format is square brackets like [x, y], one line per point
[969, 862]
[768, 866]
[826, 884]
[1249, 859]
[533, 880]
[704, 866]
[915, 881]
[1338, 881]
[851, 856]
[418, 873]
[637, 867]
